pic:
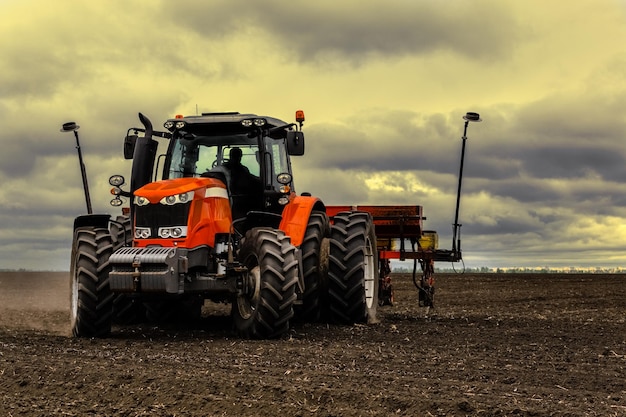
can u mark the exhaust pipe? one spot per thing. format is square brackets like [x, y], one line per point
[143, 157]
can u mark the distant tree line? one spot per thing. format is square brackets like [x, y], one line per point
[524, 270]
[478, 270]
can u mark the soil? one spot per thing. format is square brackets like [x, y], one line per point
[496, 345]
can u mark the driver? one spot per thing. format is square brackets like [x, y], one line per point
[238, 171]
[245, 188]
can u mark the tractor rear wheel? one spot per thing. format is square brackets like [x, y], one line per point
[264, 305]
[314, 267]
[91, 300]
[353, 269]
[121, 231]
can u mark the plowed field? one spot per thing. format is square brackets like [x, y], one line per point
[496, 345]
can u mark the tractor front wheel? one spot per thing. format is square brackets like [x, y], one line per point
[353, 269]
[91, 300]
[264, 305]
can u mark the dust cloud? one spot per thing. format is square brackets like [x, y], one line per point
[25, 295]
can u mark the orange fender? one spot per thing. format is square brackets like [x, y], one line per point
[296, 217]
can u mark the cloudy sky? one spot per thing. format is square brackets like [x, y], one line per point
[384, 85]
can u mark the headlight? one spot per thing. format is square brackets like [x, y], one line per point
[175, 199]
[116, 180]
[116, 202]
[169, 125]
[180, 125]
[141, 201]
[172, 232]
[283, 201]
[283, 178]
[183, 198]
[142, 232]
[256, 122]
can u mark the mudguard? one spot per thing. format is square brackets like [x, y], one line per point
[92, 220]
[296, 216]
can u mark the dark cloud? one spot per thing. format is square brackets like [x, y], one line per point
[507, 225]
[384, 140]
[577, 161]
[103, 120]
[515, 183]
[52, 55]
[354, 30]
[542, 178]
[593, 116]
[578, 141]
[24, 150]
[499, 157]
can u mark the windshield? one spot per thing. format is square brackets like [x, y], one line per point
[192, 158]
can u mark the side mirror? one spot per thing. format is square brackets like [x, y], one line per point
[129, 146]
[295, 142]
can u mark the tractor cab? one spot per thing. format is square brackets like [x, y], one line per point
[250, 154]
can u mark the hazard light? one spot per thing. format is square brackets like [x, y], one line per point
[116, 181]
[300, 116]
[284, 179]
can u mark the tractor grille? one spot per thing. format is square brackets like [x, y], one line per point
[161, 215]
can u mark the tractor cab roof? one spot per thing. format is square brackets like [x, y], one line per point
[231, 123]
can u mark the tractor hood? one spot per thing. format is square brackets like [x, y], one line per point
[179, 190]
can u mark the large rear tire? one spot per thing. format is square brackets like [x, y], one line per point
[353, 269]
[91, 300]
[265, 305]
[314, 268]
[121, 231]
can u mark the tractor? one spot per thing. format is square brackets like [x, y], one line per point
[216, 217]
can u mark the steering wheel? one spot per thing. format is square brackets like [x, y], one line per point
[214, 164]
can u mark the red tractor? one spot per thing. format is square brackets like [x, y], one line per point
[216, 217]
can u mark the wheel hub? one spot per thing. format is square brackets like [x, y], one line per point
[248, 299]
